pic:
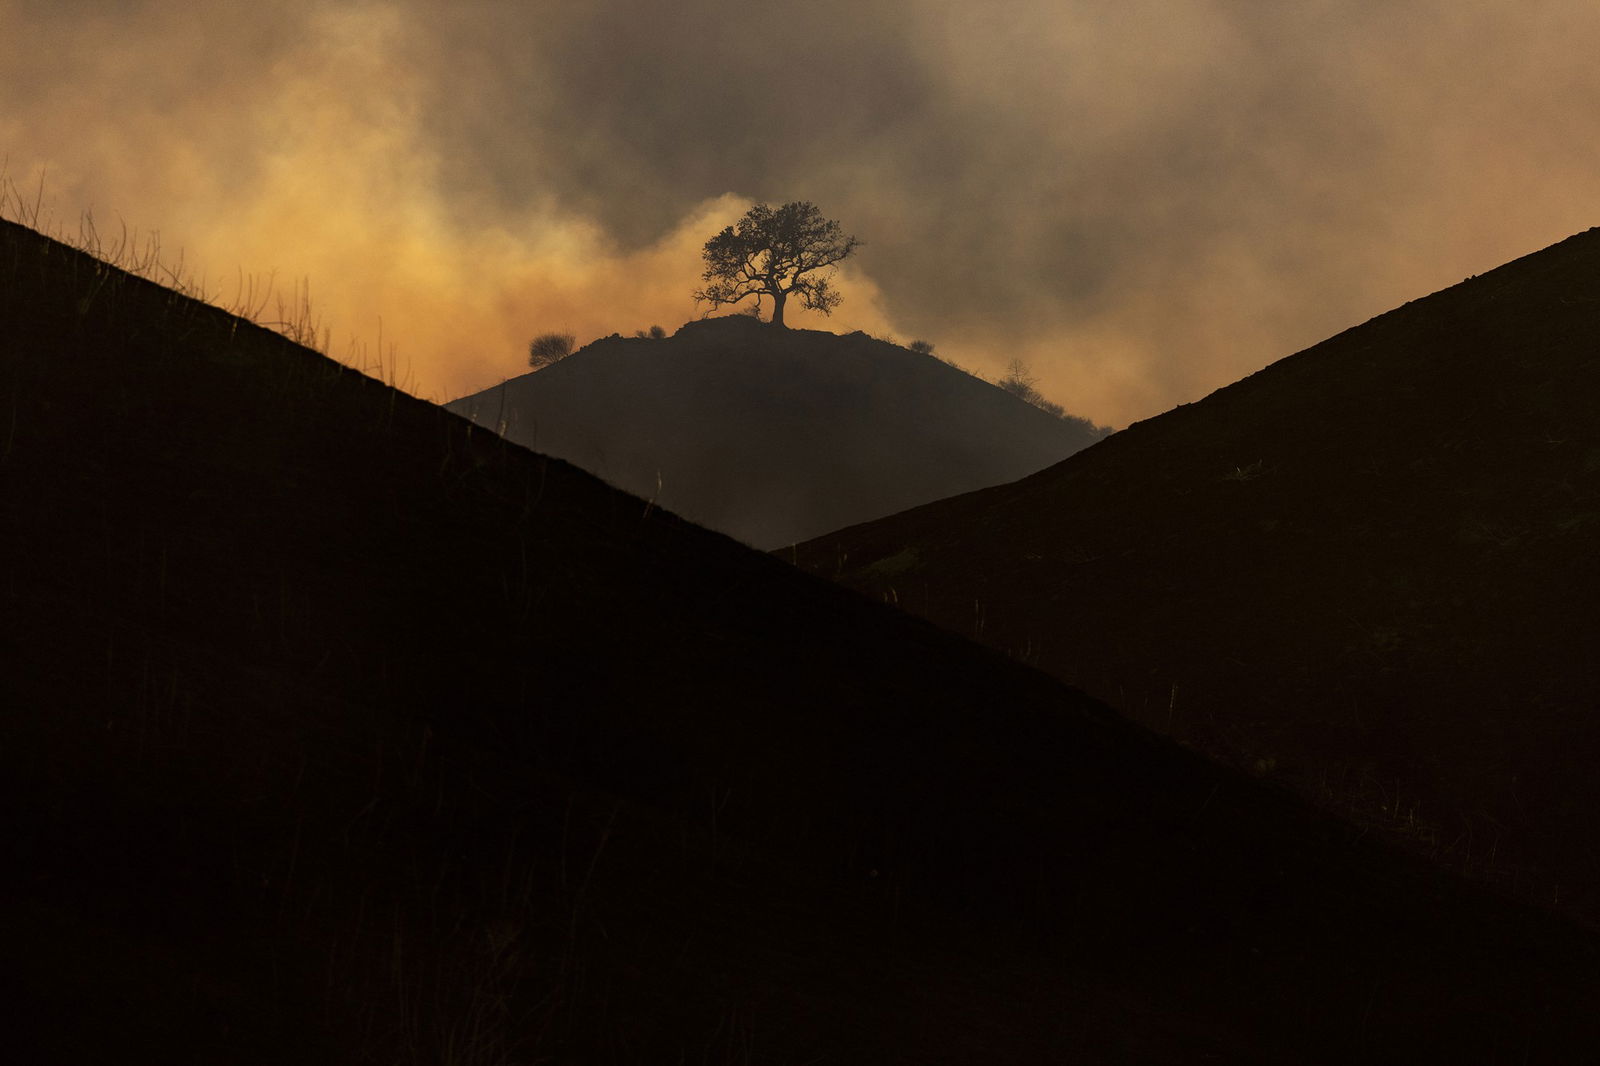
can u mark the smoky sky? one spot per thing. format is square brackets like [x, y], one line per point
[1144, 199]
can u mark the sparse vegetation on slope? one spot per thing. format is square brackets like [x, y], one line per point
[338, 730]
[1367, 570]
[255, 299]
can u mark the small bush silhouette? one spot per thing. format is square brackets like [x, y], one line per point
[654, 333]
[1020, 382]
[922, 347]
[550, 348]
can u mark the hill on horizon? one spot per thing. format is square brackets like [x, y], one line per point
[1370, 571]
[775, 435]
[339, 730]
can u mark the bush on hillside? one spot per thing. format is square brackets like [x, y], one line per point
[1020, 382]
[550, 348]
[922, 347]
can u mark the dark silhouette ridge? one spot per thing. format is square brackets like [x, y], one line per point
[1369, 570]
[339, 730]
[774, 436]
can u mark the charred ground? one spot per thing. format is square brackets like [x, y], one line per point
[338, 730]
[1370, 570]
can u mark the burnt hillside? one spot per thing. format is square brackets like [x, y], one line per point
[773, 436]
[339, 730]
[1370, 570]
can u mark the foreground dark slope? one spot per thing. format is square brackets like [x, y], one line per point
[1371, 568]
[773, 436]
[337, 731]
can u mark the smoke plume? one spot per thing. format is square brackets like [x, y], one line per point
[1143, 199]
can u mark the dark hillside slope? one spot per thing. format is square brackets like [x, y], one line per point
[773, 436]
[1373, 569]
[337, 730]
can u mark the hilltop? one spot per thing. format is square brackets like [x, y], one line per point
[775, 435]
[340, 730]
[1369, 571]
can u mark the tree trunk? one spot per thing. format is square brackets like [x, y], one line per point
[777, 308]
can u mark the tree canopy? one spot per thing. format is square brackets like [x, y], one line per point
[776, 252]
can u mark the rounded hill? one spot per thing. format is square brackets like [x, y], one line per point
[772, 435]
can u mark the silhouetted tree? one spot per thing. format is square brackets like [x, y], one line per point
[922, 347]
[550, 348]
[776, 252]
[1019, 382]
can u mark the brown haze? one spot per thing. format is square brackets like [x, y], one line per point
[1145, 199]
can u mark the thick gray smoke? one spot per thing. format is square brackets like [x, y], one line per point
[1145, 199]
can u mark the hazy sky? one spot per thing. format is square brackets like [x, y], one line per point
[1146, 199]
